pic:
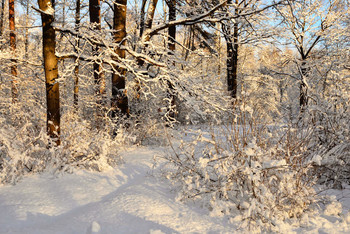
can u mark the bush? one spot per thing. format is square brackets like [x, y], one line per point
[25, 148]
[255, 175]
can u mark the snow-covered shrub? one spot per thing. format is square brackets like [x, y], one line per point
[330, 118]
[25, 147]
[88, 147]
[254, 174]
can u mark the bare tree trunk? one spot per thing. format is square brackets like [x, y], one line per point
[119, 97]
[145, 26]
[26, 40]
[142, 17]
[51, 70]
[232, 55]
[95, 20]
[171, 46]
[150, 16]
[14, 82]
[218, 45]
[2, 17]
[76, 68]
[303, 87]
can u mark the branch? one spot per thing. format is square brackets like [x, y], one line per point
[143, 57]
[186, 21]
[41, 11]
[312, 46]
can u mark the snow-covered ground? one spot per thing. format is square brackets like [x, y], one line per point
[129, 199]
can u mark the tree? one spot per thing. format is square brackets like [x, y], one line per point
[119, 97]
[95, 20]
[241, 26]
[76, 68]
[232, 52]
[14, 82]
[2, 17]
[171, 46]
[50, 69]
[306, 22]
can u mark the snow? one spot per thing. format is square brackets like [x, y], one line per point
[129, 199]
[124, 200]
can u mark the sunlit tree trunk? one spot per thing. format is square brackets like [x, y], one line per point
[2, 13]
[14, 82]
[119, 96]
[51, 70]
[95, 20]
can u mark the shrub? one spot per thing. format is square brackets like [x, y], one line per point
[256, 175]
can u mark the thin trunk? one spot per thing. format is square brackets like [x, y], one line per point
[76, 68]
[95, 20]
[142, 20]
[2, 17]
[14, 82]
[232, 56]
[303, 87]
[51, 71]
[145, 26]
[149, 19]
[119, 97]
[235, 60]
[171, 46]
[218, 45]
[26, 40]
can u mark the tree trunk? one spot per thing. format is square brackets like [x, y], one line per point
[95, 20]
[142, 20]
[119, 97]
[26, 40]
[76, 68]
[218, 46]
[14, 82]
[145, 26]
[232, 56]
[2, 13]
[51, 70]
[150, 16]
[171, 46]
[303, 87]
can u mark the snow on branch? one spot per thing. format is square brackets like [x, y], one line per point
[185, 21]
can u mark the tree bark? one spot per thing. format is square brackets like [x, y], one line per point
[51, 70]
[76, 68]
[119, 101]
[14, 82]
[232, 55]
[95, 20]
[99, 78]
[145, 25]
[149, 19]
[2, 17]
[26, 40]
[303, 87]
[171, 46]
[142, 17]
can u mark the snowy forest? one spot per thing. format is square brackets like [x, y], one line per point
[174, 116]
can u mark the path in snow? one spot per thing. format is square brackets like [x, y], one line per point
[126, 200]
